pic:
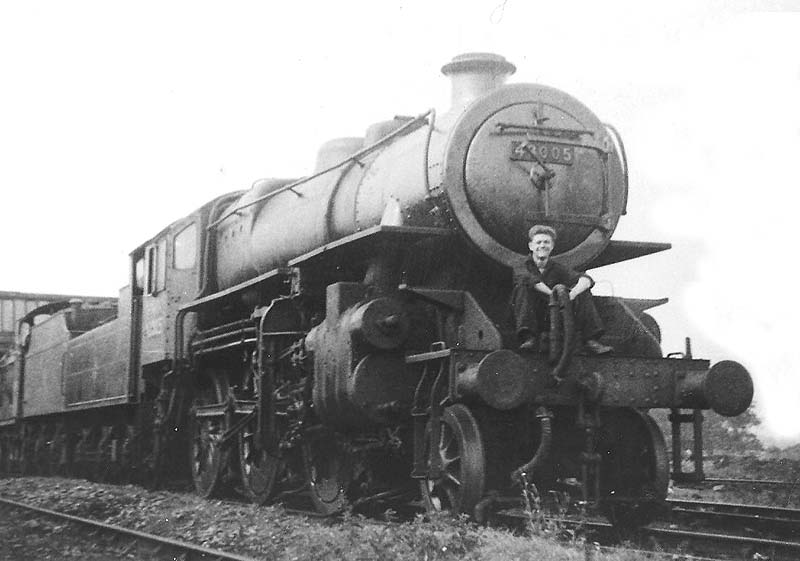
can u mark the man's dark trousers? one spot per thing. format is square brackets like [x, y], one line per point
[529, 307]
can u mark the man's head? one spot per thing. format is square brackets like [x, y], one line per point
[542, 239]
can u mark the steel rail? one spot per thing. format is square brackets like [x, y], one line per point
[756, 511]
[142, 536]
[772, 522]
[779, 549]
[775, 523]
[782, 549]
[753, 482]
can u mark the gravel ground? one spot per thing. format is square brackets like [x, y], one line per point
[262, 532]
[244, 528]
[26, 537]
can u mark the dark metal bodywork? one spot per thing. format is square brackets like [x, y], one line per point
[367, 305]
[42, 385]
[453, 171]
[73, 357]
[165, 287]
[90, 353]
[476, 348]
[96, 367]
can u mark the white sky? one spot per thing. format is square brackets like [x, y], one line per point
[117, 118]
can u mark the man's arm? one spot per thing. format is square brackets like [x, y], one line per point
[544, 289]
[584, 283]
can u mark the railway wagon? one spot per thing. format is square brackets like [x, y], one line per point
[343, 338]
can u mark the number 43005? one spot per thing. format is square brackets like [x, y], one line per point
[544, 151]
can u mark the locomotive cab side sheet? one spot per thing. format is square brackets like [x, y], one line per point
[170, 278]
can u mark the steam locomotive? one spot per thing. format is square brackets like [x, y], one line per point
[344, 338]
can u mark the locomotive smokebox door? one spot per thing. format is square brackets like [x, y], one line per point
[528, 154]
[546, 165]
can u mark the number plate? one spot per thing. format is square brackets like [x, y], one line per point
[547, 152]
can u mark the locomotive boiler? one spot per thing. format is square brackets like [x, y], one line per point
[344, 337]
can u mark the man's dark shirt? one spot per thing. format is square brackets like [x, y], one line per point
[554, 273]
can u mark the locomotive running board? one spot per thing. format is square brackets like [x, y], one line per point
[360, 243]
[620, 250]
[365, 242]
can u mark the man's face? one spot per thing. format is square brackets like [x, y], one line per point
[541, 246]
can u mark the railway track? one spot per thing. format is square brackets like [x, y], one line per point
[710, 530]
[697, 543]
[774, 521]
[176, 548]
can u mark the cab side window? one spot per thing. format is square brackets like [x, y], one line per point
[157, 267]
[184, 250]
[138, 275]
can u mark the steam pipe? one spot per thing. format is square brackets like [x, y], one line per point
[566, 322]
[524, 471]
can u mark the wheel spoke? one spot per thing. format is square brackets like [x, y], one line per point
[446, 461]
[451, 439]
[453, 478]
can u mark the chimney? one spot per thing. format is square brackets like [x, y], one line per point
[474, 75]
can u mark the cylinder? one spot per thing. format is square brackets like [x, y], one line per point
[500, 380]
[382, 323]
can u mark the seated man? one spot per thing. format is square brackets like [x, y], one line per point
[533, 287]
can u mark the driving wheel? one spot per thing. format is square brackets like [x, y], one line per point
[259, 467]
[634, 470]
[458, 485]
[208, 457]
[326, 470]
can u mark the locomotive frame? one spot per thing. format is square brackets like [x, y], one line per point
[362, 358]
